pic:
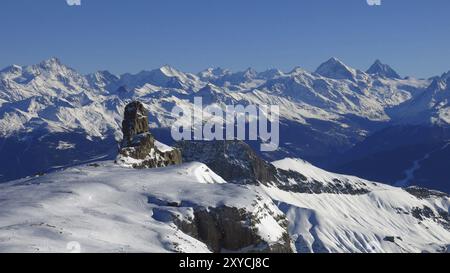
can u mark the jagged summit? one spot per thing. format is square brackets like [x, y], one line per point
[383, 70]
[52, 60]
[170, 71]
[103, 80]
[212, 74]
[438, 84]
[336, 69]
[52, 64]
[165, 76]
[270, 74]
[12, 69]
[298, 70]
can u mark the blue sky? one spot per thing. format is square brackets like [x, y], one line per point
[128, 36]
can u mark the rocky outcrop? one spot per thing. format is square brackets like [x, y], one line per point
[139, 149]
[234, 161]
[440, 217]
[225, 229]
[423, 193]
[135, 121]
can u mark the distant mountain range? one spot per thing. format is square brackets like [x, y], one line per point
[374, 124]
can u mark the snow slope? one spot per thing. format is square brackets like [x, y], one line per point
[430, 107]
[385, 219]
[103, 207]
[107, 208]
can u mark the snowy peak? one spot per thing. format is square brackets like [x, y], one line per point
[12, 69]
[213, 73]
[103, 76]
[383, 70]
[429, 107]
[170, 71]
[240, 77]
[47, 78]
[250, 73]
[335, 69]
[165, 76]
[298, 70]
[11, 72]
[53, 68]
[438, 84]
[53, 62]
[103, 80]
[270, 74]
[446, 76]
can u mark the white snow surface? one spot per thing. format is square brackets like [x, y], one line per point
[311, 171]
[358, 223]
[104, 207]
[108, 208]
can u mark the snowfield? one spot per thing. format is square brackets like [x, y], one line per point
[380, 221]
[104, 207]
[107, 208]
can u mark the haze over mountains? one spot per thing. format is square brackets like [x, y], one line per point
[373, 124]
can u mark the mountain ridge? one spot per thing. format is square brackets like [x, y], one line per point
[166, 210]
[327, 116]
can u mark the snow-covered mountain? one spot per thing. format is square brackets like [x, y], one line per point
[105, 207]
[383, 219]
[55, 96]
[383, 70]
[324, 114]
[328, 212]
[335, 69]
[430, 107]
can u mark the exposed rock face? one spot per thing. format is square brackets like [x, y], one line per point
[135, 121]
[231, 229]
[423, 193]
[236, 162]
[303, 185]
[139, 149]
